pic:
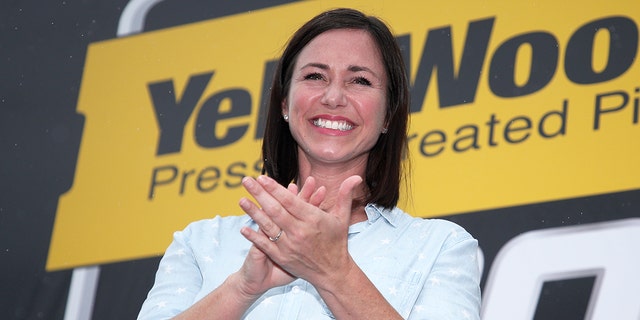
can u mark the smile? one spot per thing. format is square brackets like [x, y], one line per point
[335, 125]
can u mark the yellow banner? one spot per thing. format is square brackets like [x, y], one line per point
[512, 103]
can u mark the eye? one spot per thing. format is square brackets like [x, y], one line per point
[313, 76]
[362, 81]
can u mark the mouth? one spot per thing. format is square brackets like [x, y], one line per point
[339, 125]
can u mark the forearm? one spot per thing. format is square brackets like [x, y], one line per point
[225, 302]
[353, 296]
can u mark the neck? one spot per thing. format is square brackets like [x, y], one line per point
[331, 177]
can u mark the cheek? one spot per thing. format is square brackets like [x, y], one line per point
[378, 114]
[298, 102]
[296, 107]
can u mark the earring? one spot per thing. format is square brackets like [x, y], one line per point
[384, 130]
[285, 117]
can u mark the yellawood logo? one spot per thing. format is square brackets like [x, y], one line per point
[510, 105]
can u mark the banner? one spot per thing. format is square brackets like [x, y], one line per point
[511, 105]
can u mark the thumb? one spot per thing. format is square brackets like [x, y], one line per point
[345, 195]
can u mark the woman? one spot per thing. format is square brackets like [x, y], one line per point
[325, 238]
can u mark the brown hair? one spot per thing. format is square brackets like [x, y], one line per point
[384, 165]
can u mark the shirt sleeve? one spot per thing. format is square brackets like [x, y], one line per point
[178, 281]
[452, 288]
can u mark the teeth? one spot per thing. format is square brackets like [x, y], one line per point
[335, 125]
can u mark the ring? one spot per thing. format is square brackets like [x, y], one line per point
[274, 239]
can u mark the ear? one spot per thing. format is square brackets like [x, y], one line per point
[385, 126]
[284, 107]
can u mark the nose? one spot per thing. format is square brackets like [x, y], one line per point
[334, 95]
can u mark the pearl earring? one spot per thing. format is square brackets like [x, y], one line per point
[285, 117]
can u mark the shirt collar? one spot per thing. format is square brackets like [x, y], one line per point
[374, 212]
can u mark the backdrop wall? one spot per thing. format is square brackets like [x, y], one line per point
[124, 121]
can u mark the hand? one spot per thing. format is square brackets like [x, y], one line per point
[259, 273]
[313, 245]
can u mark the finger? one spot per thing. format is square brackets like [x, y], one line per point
[261, 242]
[285, 201]
[293, 188]
[318, 196]
[308, 188]
[266, 225]
[345, 196]
[268, 203]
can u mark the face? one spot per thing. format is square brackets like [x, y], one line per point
[337, 98]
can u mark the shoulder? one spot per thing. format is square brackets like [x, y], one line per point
[433, 228]
[214, 227]
[218, 221]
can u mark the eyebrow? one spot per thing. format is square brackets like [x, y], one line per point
[316, 65]
[351, 68]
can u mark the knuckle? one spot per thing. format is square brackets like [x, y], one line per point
[270, 226]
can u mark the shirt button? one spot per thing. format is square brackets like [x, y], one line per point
[295, 289]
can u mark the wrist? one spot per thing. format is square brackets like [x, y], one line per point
[241, 290]
[338, 280]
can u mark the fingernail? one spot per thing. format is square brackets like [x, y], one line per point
[244, 203]
[246, 181]
[263, 179]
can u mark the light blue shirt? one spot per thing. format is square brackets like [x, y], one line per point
[425, 268]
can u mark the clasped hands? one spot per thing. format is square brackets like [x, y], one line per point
[302, 233]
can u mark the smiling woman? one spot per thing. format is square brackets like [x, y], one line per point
[325, 238]
[338, 83]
